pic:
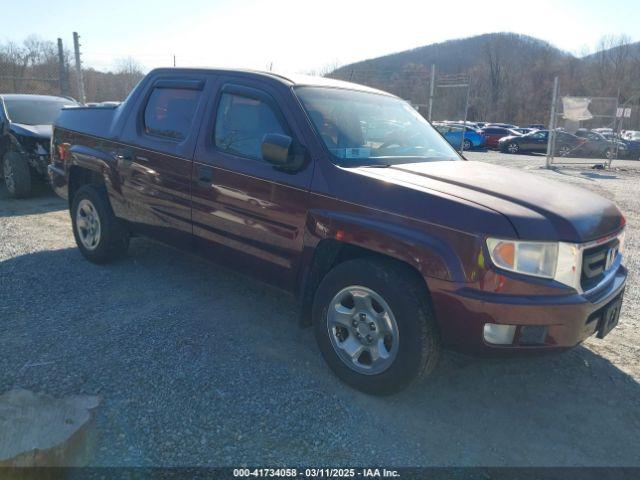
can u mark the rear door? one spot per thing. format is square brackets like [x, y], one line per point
[156, 160]
[245, 210]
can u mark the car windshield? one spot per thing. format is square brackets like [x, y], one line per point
[361, 128]
[35, 111]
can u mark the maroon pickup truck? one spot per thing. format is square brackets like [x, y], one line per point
[394, 245]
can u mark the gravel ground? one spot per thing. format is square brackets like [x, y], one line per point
[197, 365]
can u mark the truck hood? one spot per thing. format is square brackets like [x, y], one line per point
[538, 209]
[37, 131]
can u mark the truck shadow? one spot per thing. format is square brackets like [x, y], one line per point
[163, 332]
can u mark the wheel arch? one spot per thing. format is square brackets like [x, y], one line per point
[86, 165]
[336, 240]
[80, 175]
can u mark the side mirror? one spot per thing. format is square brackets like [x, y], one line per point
[276, 149]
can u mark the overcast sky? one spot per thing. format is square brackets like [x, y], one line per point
[300, 36]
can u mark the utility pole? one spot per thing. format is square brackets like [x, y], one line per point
[174, 60]
[551, 143]
[432, 86]
[76, 49]
[62, 71]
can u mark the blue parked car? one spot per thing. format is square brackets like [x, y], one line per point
[453, 134]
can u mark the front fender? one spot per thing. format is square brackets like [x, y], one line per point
[431, 255]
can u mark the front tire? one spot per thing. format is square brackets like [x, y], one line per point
[17, 177]
[100, 235]
[513, 148]
[467, 145]
[374, 325]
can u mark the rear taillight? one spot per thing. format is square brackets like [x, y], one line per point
[63, 148]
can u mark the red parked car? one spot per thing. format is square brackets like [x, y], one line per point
[345, 196]
[492, 135]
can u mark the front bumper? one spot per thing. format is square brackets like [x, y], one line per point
[462, 313]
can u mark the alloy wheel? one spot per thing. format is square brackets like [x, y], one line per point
[363, 330]
[88, 224]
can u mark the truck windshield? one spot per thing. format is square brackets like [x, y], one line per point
[35, 111]
[361, 128]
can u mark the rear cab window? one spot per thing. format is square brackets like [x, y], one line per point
[169, 112]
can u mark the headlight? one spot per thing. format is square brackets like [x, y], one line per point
[539, 259]
[560, 261]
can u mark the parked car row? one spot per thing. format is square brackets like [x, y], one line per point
[481, 134]
[508, 138]
[583, 143]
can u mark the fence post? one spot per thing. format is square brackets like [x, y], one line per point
[432, 86]
[551, 142]
[466, 112]
[62, 71]
[76, 49]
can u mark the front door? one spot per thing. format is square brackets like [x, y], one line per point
[537, 142]
[245, 210]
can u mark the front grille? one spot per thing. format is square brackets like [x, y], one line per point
[594, 263]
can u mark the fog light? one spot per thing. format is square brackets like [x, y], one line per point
[499, 334]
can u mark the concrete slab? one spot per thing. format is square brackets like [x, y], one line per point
[39, 430]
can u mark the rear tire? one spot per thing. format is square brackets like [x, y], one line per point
[467, 145]
[386, 300]
[17, 176]
[100, 235]
[564, 151]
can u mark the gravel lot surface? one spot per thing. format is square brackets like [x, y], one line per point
[197, 365]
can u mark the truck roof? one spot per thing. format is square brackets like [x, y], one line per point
[287, 79]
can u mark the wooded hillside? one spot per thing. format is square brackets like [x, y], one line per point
[511, 75]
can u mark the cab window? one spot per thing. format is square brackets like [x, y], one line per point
[169, 112]
[241, 124]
